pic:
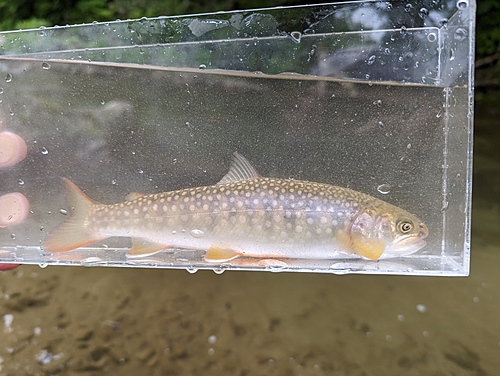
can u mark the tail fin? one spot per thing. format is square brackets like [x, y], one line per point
[72, 233]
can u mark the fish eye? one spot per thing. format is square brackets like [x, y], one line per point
[405, 226]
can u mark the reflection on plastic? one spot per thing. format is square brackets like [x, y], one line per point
[14, 208]
[12, 149]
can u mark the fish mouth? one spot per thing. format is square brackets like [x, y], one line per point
[404, 247]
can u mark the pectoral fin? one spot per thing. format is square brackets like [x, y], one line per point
[142, 248]
[369, 248]
[216, 254]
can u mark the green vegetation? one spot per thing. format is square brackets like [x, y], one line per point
[21, 14]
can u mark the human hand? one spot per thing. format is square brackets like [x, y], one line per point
[6, 267]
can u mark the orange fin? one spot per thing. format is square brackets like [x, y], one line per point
[216, 254]
[141, 248]
[131, 196]
[72, 233]
[369, 248]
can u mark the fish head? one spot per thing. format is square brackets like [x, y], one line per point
[387, 231]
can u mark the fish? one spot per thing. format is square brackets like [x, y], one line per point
[245, 215]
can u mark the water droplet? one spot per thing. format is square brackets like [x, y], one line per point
[140, 171]
[103, 102]
[378, 103]
[408, 146]
[1, 90]
[191, 270]
[12, 236]
[380, 124]
[202, 66]
[371, 60]
[423, 13]
[8, 78]
[45, 65]
[219, 270]
[452, 54]
[174, 232]
[460, 34]
[421, 308]
[11, 113]
[91, 260]
[425, 333]
[197, 233]
[401, 318]
[20, 181]
[63, 211]
[431, 37]
[296, 35]
[462, 4]
[211, 351]
[384, 188]
[445, 206]
[443, 22]
[212, 339]
[113, 181]
[45, 151]
[43, 265]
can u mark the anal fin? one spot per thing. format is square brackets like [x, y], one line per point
[142, 248]
[217, 254]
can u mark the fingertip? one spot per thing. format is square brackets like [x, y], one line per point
[14, 208]
[13, 149]
[6, 267]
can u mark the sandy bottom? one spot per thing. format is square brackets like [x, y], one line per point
[104, 321]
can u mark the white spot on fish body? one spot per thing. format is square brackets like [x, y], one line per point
[298, 228]
[155, 207]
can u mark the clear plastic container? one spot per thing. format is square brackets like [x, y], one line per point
[371, 96]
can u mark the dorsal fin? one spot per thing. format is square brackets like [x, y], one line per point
[240, 169]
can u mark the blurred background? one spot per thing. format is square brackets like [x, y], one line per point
[25, 14]
[97, 321]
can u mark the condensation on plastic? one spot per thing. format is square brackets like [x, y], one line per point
[357, 94]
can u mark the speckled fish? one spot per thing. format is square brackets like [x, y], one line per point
[246, 215]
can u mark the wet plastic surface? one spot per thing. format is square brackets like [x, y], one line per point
[372, 97]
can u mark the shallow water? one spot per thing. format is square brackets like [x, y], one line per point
[97, 321]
